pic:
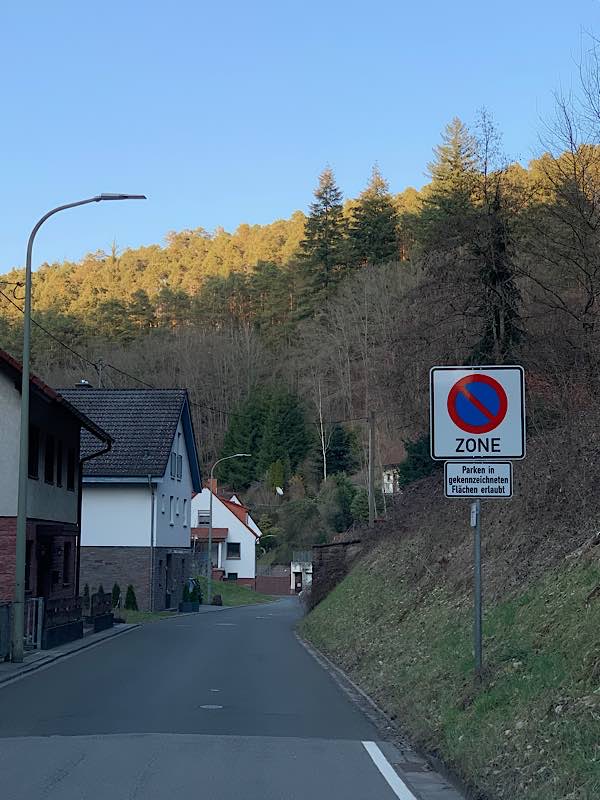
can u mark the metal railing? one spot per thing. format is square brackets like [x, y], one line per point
[34, 622]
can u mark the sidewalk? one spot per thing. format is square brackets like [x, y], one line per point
[36, 659]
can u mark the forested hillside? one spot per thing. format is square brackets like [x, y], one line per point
[288, 334]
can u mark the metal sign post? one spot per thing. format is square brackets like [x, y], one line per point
[477, 426]
[478, 605]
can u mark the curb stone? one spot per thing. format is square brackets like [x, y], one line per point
[382, 721]
[52, 658]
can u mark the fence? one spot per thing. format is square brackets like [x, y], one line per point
[5, 630]
[34, 622]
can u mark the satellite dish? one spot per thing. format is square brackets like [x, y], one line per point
[279, 490]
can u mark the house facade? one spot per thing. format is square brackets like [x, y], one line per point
[54, 486]
[234, 536]
[136, 509]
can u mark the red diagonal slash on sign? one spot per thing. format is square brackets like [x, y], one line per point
[461, 388]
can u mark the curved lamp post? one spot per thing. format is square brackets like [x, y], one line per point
[210, 523]
[19, 604]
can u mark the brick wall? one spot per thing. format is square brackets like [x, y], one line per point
[122, 565]
[8, 539]
[273, 584]
[131, 565]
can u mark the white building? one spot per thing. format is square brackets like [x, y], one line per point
[234, 536]
[136, 508]
[301, 570]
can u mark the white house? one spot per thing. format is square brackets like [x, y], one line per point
[234, 536]
[136, 507]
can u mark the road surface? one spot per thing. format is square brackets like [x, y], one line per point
[221, 706]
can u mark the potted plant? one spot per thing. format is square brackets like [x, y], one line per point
[192, 597]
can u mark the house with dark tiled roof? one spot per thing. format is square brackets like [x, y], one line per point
[136, 512]
[234, 536]
[53, 497]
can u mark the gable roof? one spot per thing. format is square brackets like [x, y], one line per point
[14, 368]
[142, 423]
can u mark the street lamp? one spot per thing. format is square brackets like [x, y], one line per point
[210, 525]
[19, 604]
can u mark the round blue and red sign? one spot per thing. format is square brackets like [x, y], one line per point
[477, 403]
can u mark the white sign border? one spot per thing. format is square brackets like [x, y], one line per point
[465, 456]
[477, 496]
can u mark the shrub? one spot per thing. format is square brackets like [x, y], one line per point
[130, 599]
[116, 595]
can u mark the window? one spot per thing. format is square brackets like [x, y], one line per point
[185, 512]
[177, 506]
[34, 452]
[67, 555]
[233, 550]
[71, 470]
[162, 503]
[59, 464]
[179, 458]
[171, 508]
[49, 459]
[203, 518]
[173, 464]
[232, 576]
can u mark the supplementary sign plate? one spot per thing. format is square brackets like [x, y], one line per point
[477, 412]
[485, 479]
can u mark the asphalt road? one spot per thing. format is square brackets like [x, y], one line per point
[219, 706]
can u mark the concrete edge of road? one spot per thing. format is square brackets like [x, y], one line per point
[384, 723]
[52, 658]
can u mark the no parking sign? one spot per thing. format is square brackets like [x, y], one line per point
[477, 412]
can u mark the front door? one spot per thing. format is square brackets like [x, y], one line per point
[44, 566]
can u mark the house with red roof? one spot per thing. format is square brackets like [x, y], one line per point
[234, 536]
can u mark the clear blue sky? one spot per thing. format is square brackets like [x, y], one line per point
[225, 112]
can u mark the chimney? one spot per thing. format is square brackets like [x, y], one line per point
[211, 485]
[83, 384]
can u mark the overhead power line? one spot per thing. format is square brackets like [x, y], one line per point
[125, 374]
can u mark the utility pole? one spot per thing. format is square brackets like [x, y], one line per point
[371, 469]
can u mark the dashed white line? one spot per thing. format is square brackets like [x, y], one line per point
[394, 781]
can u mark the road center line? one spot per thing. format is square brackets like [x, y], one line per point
[394, 781]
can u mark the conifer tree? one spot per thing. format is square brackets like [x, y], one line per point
[373, 229]
[446, 217]
[323, 247]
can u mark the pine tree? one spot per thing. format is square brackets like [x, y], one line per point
[446, 217]
[340, 455]
[373, 229]
[323, 247]
[130, 599]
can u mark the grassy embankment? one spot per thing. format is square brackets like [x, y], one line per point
[233, 594]
[531, 731]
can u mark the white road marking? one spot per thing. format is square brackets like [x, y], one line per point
[209, 707]
[394, 781]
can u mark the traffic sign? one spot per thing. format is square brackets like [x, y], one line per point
[487, 480]
[477, 412]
